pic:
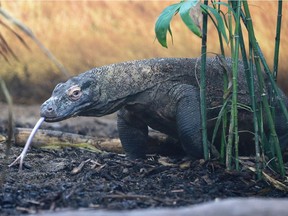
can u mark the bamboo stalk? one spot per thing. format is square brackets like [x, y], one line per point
[10, 128]
[251, 83]
[218, 31]
[263, 93]
[229, 155]
[203, 86]
[279, 98]
[223, 117]
[277, 39]
[225, 89]
[272, 82]
[276, 54]
[10, 116]
[235, 55]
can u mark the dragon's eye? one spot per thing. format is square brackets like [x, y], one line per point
[74, 93]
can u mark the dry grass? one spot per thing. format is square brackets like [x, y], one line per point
[84, 34]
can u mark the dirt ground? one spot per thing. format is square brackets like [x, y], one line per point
[52, 179]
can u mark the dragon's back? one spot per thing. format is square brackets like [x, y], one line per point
[129, 78]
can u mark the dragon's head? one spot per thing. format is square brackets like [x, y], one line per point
[75, 97]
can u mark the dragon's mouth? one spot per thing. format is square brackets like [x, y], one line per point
[59, 118]
[55, 119]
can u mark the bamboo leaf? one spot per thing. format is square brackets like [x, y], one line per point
[15, 33]
[184, 12]
[4, 56]
[226, 5]
[5, 48]
[222, 61]
[221, 26]
[219, 118]
[163, 23]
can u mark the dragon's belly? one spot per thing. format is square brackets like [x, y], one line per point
[160, 118]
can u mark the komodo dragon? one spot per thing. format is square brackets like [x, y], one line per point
[161, 93]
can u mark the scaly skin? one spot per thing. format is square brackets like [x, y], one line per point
[160, 93]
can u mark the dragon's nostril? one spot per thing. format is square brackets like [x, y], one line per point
[50, 109]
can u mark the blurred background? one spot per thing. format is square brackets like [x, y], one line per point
[86, 34]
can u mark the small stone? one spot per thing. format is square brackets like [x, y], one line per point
[125, 171]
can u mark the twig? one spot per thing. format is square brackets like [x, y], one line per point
[79, 168]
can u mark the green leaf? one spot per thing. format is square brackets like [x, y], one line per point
[226, 5]
[221, 26]
[163, 23]
[184, 12]
[219, 118]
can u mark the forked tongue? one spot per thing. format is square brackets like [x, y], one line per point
[28, 143]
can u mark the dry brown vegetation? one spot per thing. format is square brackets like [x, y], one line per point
[85, 34]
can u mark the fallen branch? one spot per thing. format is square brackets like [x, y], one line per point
[56, 139]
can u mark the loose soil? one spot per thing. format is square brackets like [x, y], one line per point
[52, 178]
